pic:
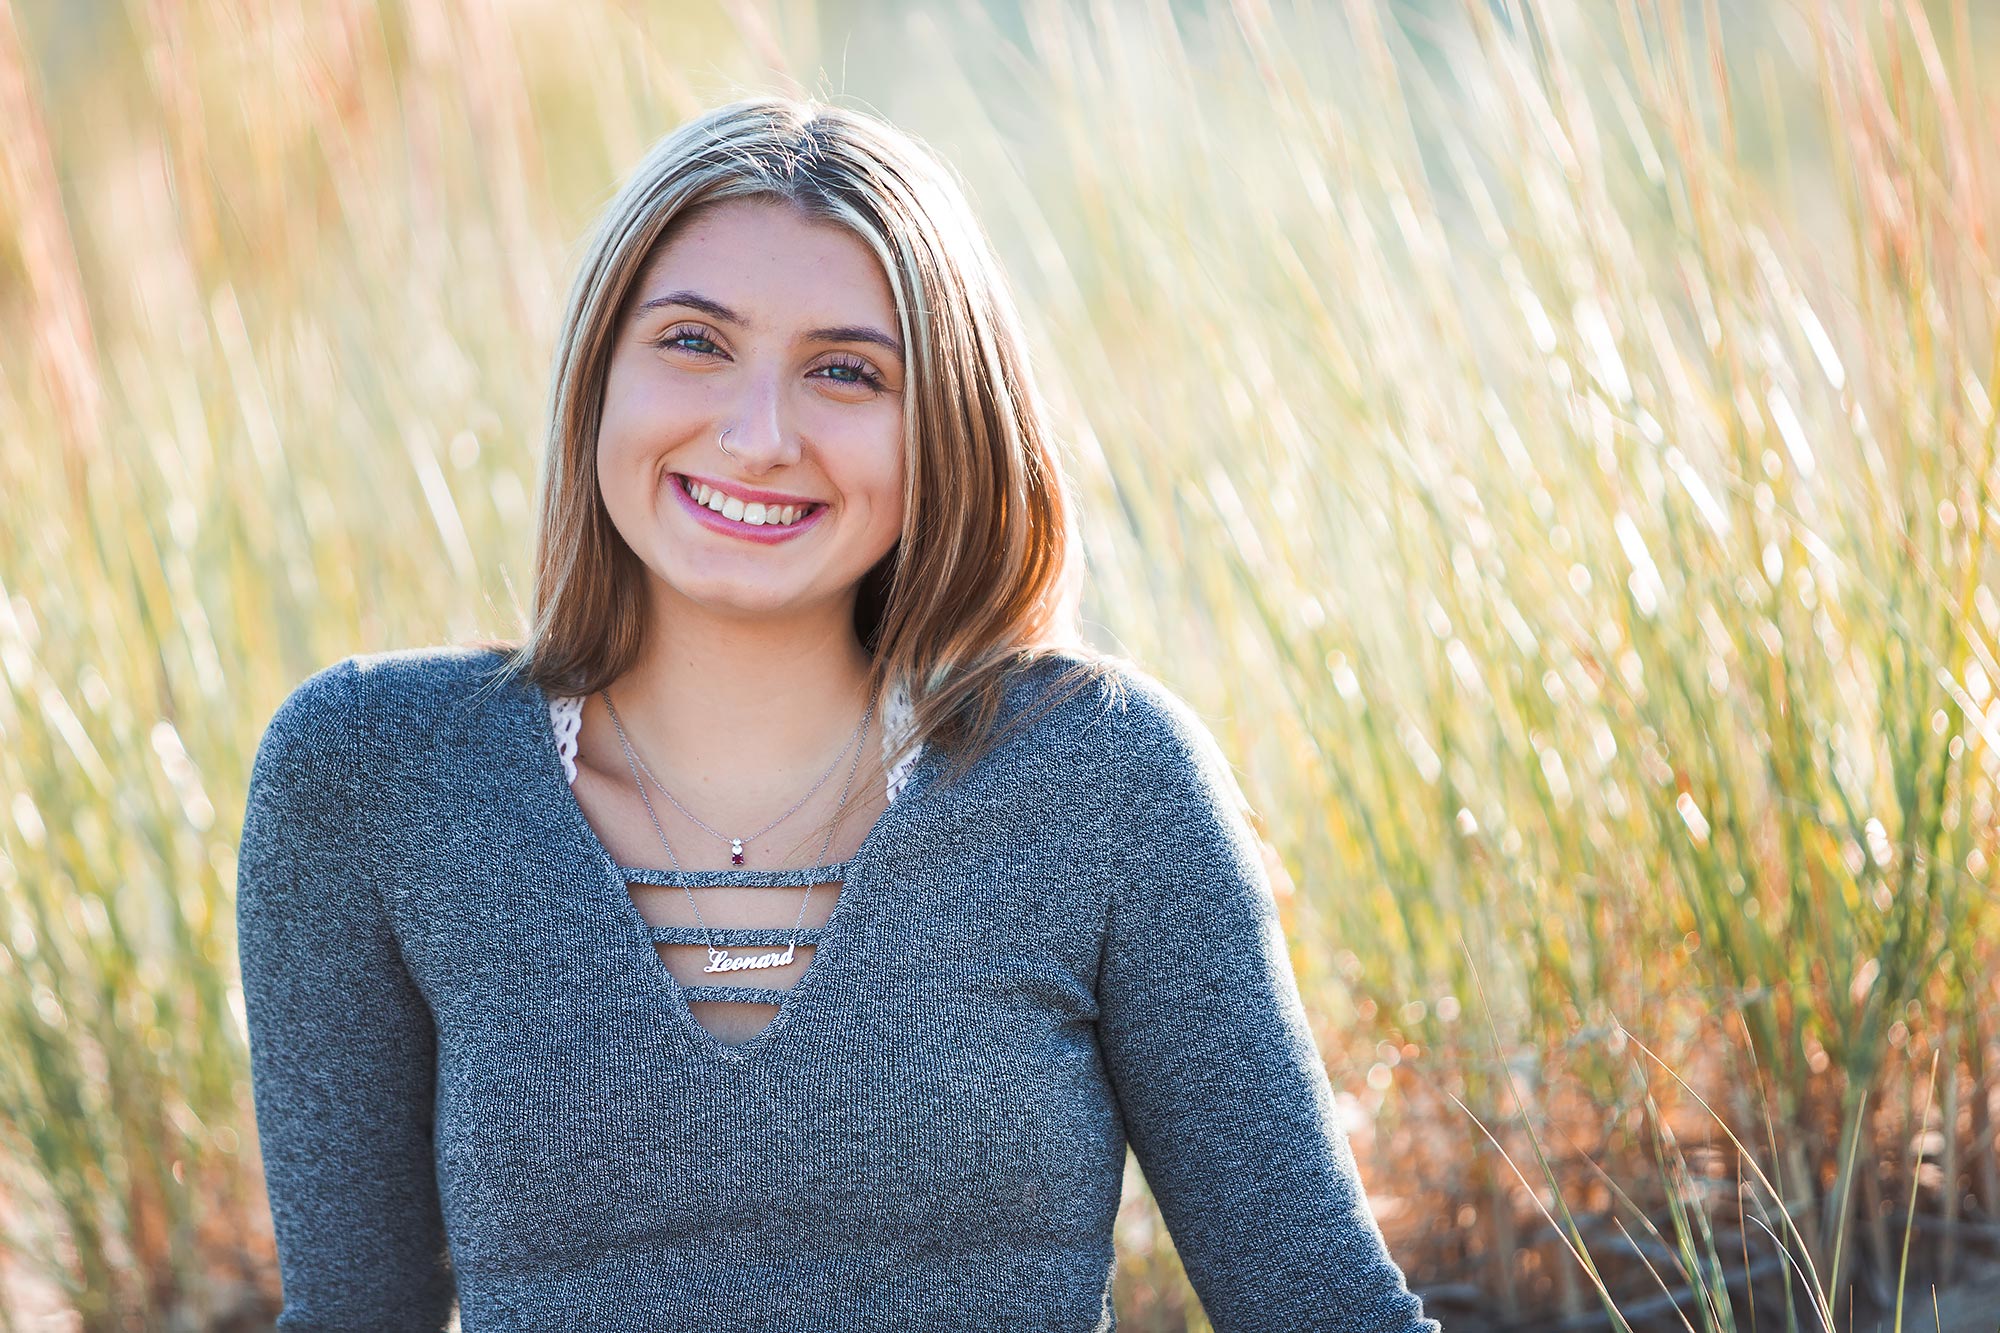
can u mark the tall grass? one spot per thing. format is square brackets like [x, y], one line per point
[1592, 475]
[1552, 443]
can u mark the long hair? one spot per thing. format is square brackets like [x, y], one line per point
[984, 578]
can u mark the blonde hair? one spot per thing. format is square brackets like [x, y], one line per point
[984, 578]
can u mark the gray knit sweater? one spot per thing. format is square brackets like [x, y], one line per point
[476, 1080]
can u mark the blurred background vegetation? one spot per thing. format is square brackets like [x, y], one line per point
[1552, 443]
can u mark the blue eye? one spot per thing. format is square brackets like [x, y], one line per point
[852, 370]
[684, 337]
[841, 369]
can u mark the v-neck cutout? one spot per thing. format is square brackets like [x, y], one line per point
[851, 873]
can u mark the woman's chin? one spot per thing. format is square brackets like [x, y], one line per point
[737, 598]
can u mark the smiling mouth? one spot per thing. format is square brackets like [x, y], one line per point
[750, 513]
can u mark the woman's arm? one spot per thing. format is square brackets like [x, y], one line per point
[1225, 1099]
[342, 1045]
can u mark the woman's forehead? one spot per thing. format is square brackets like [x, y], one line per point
[764, 257]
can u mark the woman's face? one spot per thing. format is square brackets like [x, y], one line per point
[781, 331]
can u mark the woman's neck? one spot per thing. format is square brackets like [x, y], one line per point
[729, 700]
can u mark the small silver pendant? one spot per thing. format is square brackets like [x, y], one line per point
[736, 851]
[720, 961]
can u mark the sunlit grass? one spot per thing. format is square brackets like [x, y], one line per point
[1563, 480]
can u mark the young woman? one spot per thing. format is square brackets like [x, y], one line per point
[793, 930]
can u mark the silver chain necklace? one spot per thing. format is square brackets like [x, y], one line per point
[719, 959]
[736, 844]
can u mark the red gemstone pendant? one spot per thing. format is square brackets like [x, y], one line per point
[736, 851]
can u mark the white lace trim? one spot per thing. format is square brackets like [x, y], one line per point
[566, 716]
[897, 715]
[566, 719]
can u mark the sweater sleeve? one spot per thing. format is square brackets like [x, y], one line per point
[342, 1043]
[1225, 1099]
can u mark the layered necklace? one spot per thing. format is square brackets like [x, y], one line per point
[719, 959]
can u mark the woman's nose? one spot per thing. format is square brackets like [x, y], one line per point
[757, 438]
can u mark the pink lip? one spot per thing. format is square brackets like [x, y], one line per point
[715, 522]
[746, 494]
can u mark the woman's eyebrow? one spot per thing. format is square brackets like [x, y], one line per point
[694, 301]
[839, 333]
[855, 333]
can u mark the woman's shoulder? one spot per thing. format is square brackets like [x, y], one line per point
[1118, 761]
[369, 707]
[1106, 715]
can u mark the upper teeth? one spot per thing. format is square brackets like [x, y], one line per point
[755, 513]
